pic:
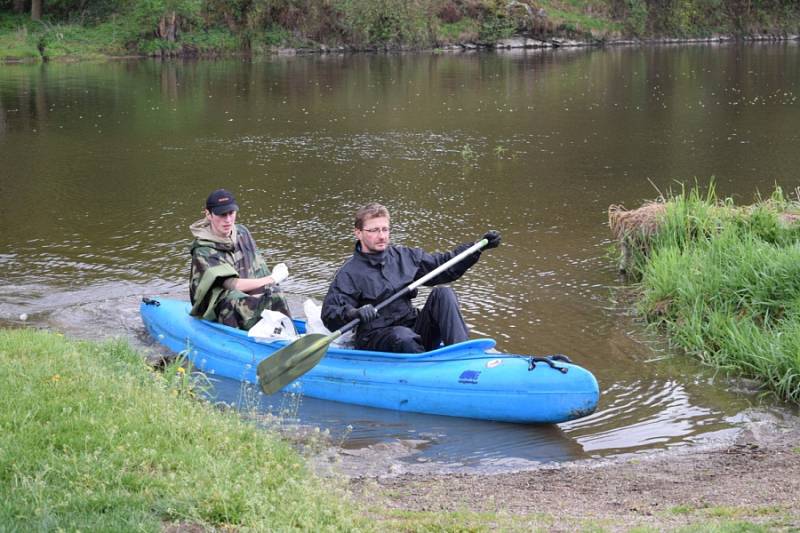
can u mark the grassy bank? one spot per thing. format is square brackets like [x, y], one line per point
[90, 439]
[72, 29]
[723, 282]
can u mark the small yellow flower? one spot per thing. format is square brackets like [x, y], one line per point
[181, 370]
[55, 378]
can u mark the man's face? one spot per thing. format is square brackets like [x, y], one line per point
[221, 225]
[374, 237]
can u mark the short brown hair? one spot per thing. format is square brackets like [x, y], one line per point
[371, 210]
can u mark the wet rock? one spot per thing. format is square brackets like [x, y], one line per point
[568, 43]
[158, 360]
[521, 42]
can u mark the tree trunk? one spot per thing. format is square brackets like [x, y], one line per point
[19, 6]
[168, 27]
[36, 9]
[230, 21]
[3, 124]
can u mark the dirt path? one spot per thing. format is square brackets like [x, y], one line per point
[754, 479]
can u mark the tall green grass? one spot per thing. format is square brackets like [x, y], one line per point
[17, 43]
[91, 440]
[26, 40]
[724, 283]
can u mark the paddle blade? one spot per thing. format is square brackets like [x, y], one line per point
[292, 361]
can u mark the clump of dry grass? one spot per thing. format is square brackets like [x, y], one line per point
[633, 229]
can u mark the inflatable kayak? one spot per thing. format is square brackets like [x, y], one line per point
[469, 379]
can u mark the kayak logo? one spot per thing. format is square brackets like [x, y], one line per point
[469, 376]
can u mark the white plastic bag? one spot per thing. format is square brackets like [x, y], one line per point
[314, 324]
[314, 318]
[273, 326]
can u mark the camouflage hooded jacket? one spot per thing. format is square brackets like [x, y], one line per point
[215, 259]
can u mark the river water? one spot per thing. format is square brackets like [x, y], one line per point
[104, 165]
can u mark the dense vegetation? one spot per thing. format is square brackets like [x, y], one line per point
[57, 28]
[92, 440]
[724, 283]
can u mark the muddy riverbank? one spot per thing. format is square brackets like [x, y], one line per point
[753, 477]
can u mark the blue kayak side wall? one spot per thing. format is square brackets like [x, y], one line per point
[461, 380]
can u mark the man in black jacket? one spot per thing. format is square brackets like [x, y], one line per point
[379, 269]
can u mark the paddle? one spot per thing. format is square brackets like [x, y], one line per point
[297, 358]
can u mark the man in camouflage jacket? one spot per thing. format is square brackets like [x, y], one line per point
[229, 281]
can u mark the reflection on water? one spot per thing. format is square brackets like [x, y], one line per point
[637, 417]
[386, 439]
[641, 415]
[104, 166]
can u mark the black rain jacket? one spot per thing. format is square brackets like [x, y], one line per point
[372, 278]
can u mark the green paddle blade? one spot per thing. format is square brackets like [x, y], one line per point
[293, 360]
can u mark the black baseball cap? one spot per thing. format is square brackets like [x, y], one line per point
[221, 201]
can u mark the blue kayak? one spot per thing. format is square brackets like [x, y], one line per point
[469, 379]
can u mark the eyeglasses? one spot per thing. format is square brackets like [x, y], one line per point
[373, 231]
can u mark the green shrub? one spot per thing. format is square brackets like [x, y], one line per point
[495, 27]
[385, 22]
[211, 41]
[636, 21]
[465, 30]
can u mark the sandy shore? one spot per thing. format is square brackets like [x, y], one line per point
[755, 478]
